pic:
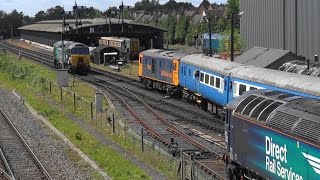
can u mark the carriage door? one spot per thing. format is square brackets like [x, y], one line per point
[175, 74]
[199, 76]
[140, 65]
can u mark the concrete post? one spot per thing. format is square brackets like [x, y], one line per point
[98, 99]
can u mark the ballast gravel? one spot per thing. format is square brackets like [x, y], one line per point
[56, 156]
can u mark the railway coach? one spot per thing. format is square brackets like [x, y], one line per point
[273, 135]
[219, 81]
[206, 79]
[159, 69]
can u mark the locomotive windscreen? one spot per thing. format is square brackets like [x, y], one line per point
[80, 50]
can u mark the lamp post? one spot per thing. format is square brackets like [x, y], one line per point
[232, 38]
[232, 34]
[209, 16]
[11, 32]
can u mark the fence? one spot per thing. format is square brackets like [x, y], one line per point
[109, 121]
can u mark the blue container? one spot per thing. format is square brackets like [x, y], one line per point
[215, 40]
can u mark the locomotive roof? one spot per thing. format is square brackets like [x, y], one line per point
[160, 53]
[296, 115]
[68, 44]
[291, 81]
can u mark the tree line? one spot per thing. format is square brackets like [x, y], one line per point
[180, 30]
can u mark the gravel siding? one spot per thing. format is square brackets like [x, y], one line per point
[51, 151]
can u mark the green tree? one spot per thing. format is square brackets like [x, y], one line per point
[181, 29]
[15, 19]
[225, 41]
[40, 16]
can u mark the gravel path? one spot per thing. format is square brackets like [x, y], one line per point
[51, 151]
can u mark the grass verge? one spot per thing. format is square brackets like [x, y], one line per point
[28, 79]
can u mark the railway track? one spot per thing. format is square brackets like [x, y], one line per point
[141, 108]
[18, 160]
[186, 115]
[161, 129]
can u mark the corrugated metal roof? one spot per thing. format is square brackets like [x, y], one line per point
[55, 25]
[261, 57]
[291, 81]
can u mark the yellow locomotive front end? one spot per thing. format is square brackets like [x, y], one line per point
[79, 60]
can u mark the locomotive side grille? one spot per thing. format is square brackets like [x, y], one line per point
[308, 129]
[283, 121]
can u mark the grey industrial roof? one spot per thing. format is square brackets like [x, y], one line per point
[261, 57]
[55, 25]
[291, 81]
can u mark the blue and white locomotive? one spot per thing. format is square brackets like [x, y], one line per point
[273, 135]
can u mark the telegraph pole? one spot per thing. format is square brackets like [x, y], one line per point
[62, 32]
[11, 32]
[75, 12]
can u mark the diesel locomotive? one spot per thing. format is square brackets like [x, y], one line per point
[76, 57]
[273, 135]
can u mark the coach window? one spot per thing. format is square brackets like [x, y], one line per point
[235, 88]
[160, 62]
[218, 83]
[252, 88]
[153, 65]
[222, 84]
[242, 89]
[212, 80]
[206, 80]
[189, 72]
[201, 77]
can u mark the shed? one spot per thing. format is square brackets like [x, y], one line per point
[104, 54]
[266, 57]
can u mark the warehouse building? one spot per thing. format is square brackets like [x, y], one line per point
[282, 24]
[49, 32]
